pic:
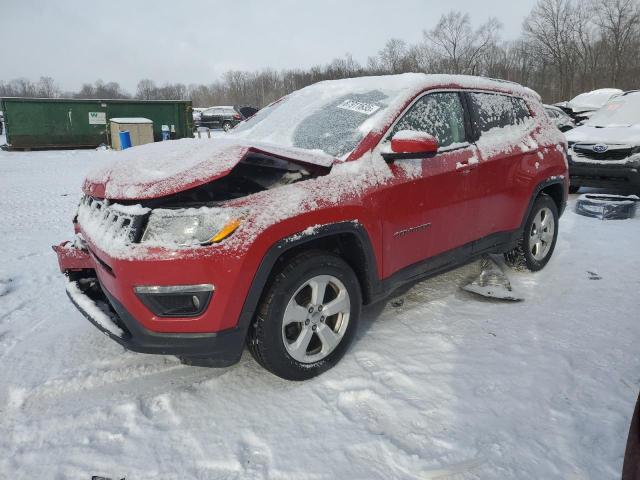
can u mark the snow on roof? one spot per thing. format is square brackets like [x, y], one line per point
[131, 120]
[417, 81]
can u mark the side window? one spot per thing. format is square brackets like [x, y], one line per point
[439, 114]
[491, 111]
[521, 109]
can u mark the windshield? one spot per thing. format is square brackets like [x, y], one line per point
[331, 116]
[621, 111]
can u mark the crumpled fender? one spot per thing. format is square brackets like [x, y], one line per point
[71, 257]
[160, 169]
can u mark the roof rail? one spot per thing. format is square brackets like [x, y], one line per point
[501, 80]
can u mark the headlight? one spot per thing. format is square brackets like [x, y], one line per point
[191, 226]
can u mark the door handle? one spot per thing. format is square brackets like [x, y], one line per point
[466, 165]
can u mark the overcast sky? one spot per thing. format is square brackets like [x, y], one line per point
[76, 41]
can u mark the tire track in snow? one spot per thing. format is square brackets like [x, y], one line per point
[89, 390]
[10, 312]
[386, 461]
[22, 337]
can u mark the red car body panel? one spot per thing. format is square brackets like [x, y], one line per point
[429, 207]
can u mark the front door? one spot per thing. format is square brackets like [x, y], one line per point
[424, 207]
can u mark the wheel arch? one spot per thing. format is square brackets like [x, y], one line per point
[556, 192]
[555, 188]
[349, 240]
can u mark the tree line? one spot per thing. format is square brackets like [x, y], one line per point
[566, 47]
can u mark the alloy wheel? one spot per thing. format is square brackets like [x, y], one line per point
[316, 319]
[541, 235]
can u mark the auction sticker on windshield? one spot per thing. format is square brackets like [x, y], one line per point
[360, 107]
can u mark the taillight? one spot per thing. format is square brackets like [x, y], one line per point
[237, 116]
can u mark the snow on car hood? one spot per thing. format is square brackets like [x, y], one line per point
[590, 101]
[164, 168]
[610, 135]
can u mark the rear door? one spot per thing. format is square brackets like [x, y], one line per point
[508, 156]
[425, 211]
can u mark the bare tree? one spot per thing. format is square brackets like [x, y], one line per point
[619, 22]
[551, 31]
[22, 87]
[393, 56]
[101, 90]
[146, 89]
[47, 88]
[458, 47]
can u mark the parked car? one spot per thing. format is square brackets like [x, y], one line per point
[561, 120]
[223, 117]
[586, 104]
[605, 150]
[1, 123]
[327, 199]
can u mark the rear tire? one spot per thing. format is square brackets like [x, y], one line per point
[226, 126]
[538, 239]
[303, 328]
[574, 188]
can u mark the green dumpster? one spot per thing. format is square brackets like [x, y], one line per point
[69, 123]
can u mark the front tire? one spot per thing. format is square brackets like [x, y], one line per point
[307, 317]
[538, 240]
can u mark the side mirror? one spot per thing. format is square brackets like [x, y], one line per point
[410, 144]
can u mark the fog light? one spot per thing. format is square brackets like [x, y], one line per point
[176, 300]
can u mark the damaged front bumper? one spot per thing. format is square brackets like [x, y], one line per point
[106, 313]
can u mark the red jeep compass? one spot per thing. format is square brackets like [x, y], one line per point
[325, 200]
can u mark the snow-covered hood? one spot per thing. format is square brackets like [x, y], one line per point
[159, 169]
[628, 135]
[592, 101]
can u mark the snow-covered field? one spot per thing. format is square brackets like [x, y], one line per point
[441, 385]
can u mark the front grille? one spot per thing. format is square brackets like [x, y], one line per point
[111, 222]
[586, 151]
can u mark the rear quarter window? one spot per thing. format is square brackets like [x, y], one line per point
[520, 109]
[492, 110]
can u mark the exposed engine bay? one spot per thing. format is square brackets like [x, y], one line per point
[253, 174]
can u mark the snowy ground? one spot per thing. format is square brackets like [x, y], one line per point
[443, 386]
